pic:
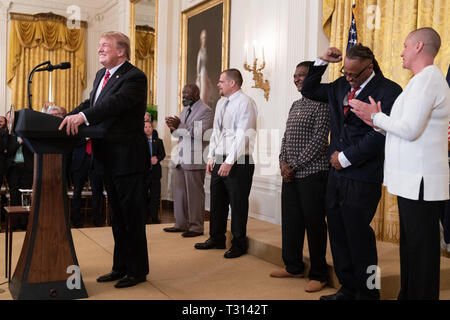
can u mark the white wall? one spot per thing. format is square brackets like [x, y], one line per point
[291, 32]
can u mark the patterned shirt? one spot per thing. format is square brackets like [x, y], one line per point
[305, 143]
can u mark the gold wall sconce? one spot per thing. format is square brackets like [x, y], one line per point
[258, 76]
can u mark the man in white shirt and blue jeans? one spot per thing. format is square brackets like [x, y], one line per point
[416, 167]
[230, 164]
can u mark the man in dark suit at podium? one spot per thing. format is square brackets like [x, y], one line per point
[117, 104]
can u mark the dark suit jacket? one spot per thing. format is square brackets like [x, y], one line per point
[361, 144]
[120, 109]
[78, 155]
[4, 138]
[158, 151]
[28, 156]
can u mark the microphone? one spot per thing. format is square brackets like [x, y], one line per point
[50, 67]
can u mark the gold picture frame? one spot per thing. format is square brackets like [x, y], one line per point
[199, 26]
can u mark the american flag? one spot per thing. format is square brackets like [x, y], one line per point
[352, 35]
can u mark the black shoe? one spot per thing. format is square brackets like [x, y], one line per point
[234, 252]
[209, 244]
[129, 282]
[337, 296]
[190, 234]
[173, 229]
[112, 276]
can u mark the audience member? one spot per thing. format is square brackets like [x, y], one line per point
[20, 165]
[83, 171]
[189, 173]
[416, 165]
[356, 157]
[231, 165]
[157, 154]
[304, 167]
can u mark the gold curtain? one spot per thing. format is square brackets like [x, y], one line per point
[145, 57]
[45, 37]
[383, 26]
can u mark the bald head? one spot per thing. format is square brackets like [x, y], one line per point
[430, 39]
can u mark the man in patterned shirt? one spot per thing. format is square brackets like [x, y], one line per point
[304, 168]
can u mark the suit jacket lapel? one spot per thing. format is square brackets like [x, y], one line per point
[97, 80]
[113, 80]
[341, 96]
[364, 94]
[194, 109]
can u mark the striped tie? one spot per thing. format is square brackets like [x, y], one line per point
[105, 80]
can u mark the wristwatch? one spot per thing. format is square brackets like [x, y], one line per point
[372, 116]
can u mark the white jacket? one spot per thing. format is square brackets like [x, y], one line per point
[416, 138]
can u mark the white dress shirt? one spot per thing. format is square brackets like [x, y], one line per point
[416, 138]
[341, 157]
[234, 128]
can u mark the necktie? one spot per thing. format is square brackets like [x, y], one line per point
[222, 114]
[351, 96]
[89, 147]
[105, 80]
[188, 113]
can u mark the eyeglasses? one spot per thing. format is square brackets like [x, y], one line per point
[352, 75]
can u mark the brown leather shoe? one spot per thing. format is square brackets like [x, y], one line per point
[284, 274]
[314, 286]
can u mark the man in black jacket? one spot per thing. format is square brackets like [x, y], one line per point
[356, 158]
[81, 169]
[117, 103]
[157, 154]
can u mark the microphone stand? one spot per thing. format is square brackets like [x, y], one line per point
[30, 80]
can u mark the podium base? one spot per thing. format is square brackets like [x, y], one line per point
[46, 291]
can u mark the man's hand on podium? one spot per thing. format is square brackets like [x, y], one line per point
[72, 123]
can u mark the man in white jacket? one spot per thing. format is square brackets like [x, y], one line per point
[416, 164]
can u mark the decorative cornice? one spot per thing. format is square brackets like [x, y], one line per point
[42, 17]
[145, 28]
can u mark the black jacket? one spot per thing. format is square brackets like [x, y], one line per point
[361, 144]
[158, 151]
[120, 109]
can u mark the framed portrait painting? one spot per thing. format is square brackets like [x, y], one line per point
[204, 47]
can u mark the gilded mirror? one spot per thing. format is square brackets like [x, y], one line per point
[143, 22]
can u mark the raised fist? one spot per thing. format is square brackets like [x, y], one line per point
[332, 55]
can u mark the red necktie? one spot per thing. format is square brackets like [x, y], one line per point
[89, 147]
[350, 97]
[105, 80]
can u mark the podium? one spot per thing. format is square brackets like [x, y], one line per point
[48, 267]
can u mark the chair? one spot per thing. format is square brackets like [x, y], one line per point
[11, 213]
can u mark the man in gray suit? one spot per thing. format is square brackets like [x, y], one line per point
[189, 174]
